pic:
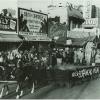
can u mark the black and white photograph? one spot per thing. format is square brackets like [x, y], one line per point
[49, 49]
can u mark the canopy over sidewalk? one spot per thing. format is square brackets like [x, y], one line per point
[78, 42]
[9, 37]
[36, 38]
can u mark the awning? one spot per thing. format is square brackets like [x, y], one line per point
[79, 41]
[61, 41]
[9, 38]
[36, 38]
[75, 13]
[83, 41]
[75, 41]
[80, 34]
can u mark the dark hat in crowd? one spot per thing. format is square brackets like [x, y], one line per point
[0, 53]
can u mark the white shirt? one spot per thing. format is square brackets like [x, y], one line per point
[1, 59]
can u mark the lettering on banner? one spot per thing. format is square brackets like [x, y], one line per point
[85, 72]
[96, 70]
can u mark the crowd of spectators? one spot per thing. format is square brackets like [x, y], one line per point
[9, 59]
[68, 56]
[41, 60]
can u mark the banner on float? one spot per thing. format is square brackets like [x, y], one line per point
[82, 73]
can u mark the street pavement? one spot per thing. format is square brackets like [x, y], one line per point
[86, 90]
[27, 92]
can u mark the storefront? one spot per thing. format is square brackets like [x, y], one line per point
[40, 44]
[33, 30]
[85, 46]
[9, 38]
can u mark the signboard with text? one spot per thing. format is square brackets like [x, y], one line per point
[31, 22]
[7, 23]
[91, 22]
[88, 9]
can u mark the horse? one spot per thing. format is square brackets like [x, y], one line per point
[1, 72]
[5, 75]
[23, 73]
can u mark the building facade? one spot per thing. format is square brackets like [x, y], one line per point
[92, 18]
[68, 16]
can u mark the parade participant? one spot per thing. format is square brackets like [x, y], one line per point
[1, 59]
[59, 57]
[75, 56]
[54, 64]
[30, 56]
[97, 57]
[72, 56]
[25, 73]
[19, 74]
[5, 73]
[10, 55]
[1, 66]
[25, 57]
[54, 59]
[67, 55]
[64, 57]
[80, 55]
[33, 50]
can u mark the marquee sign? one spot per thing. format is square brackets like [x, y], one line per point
[31, 22]
[91, 22]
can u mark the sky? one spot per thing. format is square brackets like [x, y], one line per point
[42, 4]
[39, 4]
[8, 4]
